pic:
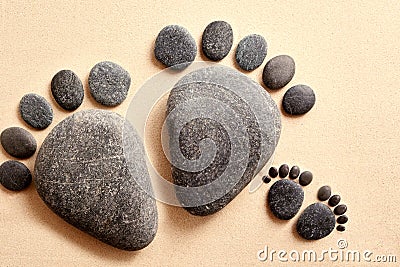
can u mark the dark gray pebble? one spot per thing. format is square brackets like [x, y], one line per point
[294, 172]
[316, 222]
[273, 172]
[298, 100]
[217, 40]
[18, 142]
[306, 178]
[14, 175]
[175, 47]
[334, 200]
[266, 179]
[341, 228]
[324, 193]
[285, 198]
[342, 219]
[340, 210]
[251, 52]
[36, 111]
[278, 72]
[283, 170]
[67, 89]
[109, 83]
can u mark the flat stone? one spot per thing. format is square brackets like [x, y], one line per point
[285, 198]
[91, 172]
[317, 221]
[283, 170]
[217, 40]
[18, 142]
[175, 47]
[342, 219]
[278, 72]
[36, 111]
[306, 178]
[340, 209]
[251, 52]
[218, 105]
[109, 83]
[334, 200]
[14, 175]
[67, 89]
[294, 172]
[324, 193]
[298, 100]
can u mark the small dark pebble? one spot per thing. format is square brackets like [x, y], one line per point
[283, 170]
[341, 228]
[324, 193]
[294, 172]
[273, 172]
[14, 175]
[109, 83]
[175, 47]
[278, 72]
[298, 100]
[342, 219]
[334, 200]
[251, 52]
[217, 40]
[266, 179]
[341, 209]
[18, 142]
[36, 111]
[316, 222]
[67, 89]
[305, 178]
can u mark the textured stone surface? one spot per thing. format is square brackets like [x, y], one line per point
[278, 72]
[109, 83]
[285, 198]
[251, 52]
[316, 222]
[225, 92]
[14, 175]
[324, 193]
[91, 172]
[18, 142]
[298, 100]
[306, 178]
[67, 89]
[36, 111]
[217, 40]
[175, 47]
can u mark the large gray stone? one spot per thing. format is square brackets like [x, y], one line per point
[91, 172]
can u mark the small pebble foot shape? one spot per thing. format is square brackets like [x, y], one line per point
[36, 111]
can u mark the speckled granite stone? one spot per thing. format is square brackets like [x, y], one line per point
[316, 222]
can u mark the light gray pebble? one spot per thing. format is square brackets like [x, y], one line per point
[217, 40]
[251, 52]
[278, 72]
[36, 111]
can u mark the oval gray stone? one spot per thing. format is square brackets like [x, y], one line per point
[317, 221]
[251, 52]
[67, 89]
[298, 100]
[217, 40]
[91, 172]
[14, 175]
[18, 142]
[36, 111]
[278, 72]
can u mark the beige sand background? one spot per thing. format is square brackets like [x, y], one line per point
[348, 52]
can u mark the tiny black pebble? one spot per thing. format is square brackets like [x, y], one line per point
[305, 178]
[266, 179]
[217, 40]
[278, 72]
[251, 52]
[341, 209]
[324, 193]
[294, 172]
[18, 142]
[283, 170]
[36, 111]
[342, 219]
[67, 89]
[14, 175]
[340, 228]
[298, 100]
[273, 172]
[334, 200]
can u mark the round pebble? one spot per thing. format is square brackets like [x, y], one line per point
[18, 142]
[305, 178]
[283, 170]
[109, 83]
[278, 72]
[294, 172]
[334, 200]
[298, 100]
[15, 175]
[36, 111]
[340, 210]
[273, 172]
[67, 89]
[341, 228]
[317, 221]
[217, 40]
[324, 193]
[342, 219]
[175, 47]
[251, 52]
[266, 179]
